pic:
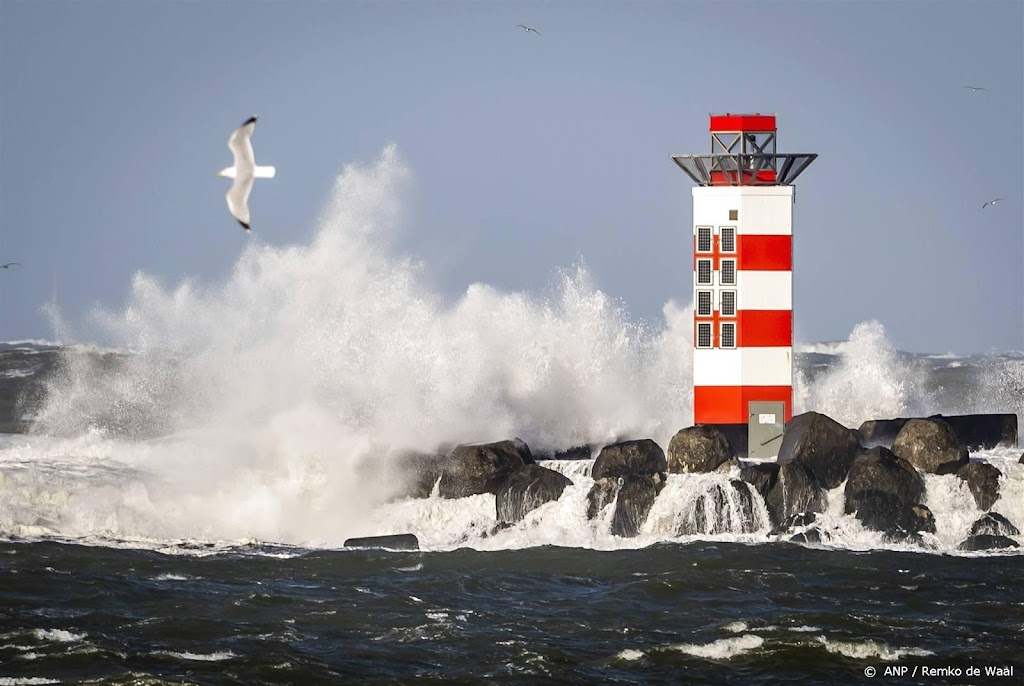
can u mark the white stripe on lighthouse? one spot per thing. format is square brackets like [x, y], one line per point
[742, 367]
[765, 290]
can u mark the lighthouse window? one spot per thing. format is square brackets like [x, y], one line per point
[704, 272]
[704, 335]
[734, 215]
[704, 303]
[703, 239]
[728, 304]
[728, 272]
[728, 238]
[728, 338]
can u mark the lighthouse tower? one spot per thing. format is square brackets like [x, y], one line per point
[742, 277]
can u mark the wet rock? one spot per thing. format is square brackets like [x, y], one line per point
[884, 492]
[812, 535]
[526, 489]
[761, 476]
[994, 524]
[795, 490]
[930, 444]
[481, 468]
[988, 542]
[983, 481]
[822, 445]
[628, 458]
[698, 449]
[635, 498]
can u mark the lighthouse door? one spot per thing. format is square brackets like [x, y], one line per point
[766, 424]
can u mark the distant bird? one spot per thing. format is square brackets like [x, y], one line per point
[991, 202]
[243, 172]
[528, 28]
[975, 89]
[9, 265]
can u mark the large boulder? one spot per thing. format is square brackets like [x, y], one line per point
[525, 490]
[983, 481]
[795, 490]
[884, 492]
[988, 542]
[698, 449]
[994, 524]
[627, 458]
[821, 444]
[481, 468]
[930, 445]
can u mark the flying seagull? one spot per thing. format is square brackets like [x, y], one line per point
[528, 28]
[9, 265]
[975, 89]
[243, 172]
[991, 202]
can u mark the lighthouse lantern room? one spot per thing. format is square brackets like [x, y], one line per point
[743, 279]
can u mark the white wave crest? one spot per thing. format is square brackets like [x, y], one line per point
[722, 649]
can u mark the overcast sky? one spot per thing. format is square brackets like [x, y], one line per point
[528, 152]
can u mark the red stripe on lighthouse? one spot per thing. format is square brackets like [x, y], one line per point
[728, 404]
[765, 253]
[764, 328]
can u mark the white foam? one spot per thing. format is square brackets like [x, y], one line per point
[736, 627]
[57, 635]
[860, 650]
[200, 657]
[25, 681]
[629, 654]
[723, 649]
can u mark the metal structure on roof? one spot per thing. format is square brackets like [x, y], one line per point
[743, 153]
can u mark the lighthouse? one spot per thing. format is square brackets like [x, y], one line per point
[743, 280]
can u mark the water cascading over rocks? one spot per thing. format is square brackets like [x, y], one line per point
[630, 474]
[719, 508]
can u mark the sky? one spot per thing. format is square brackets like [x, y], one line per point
[529, 153]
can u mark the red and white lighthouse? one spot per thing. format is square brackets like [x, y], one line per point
[742, 270]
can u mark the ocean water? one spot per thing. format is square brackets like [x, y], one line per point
[178, 510]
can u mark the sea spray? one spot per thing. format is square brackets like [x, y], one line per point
[252, 406]
[871, 381]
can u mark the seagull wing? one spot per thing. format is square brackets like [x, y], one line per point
[238, 199]
[240, 146]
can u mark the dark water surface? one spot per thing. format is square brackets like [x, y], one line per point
[671, 613]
